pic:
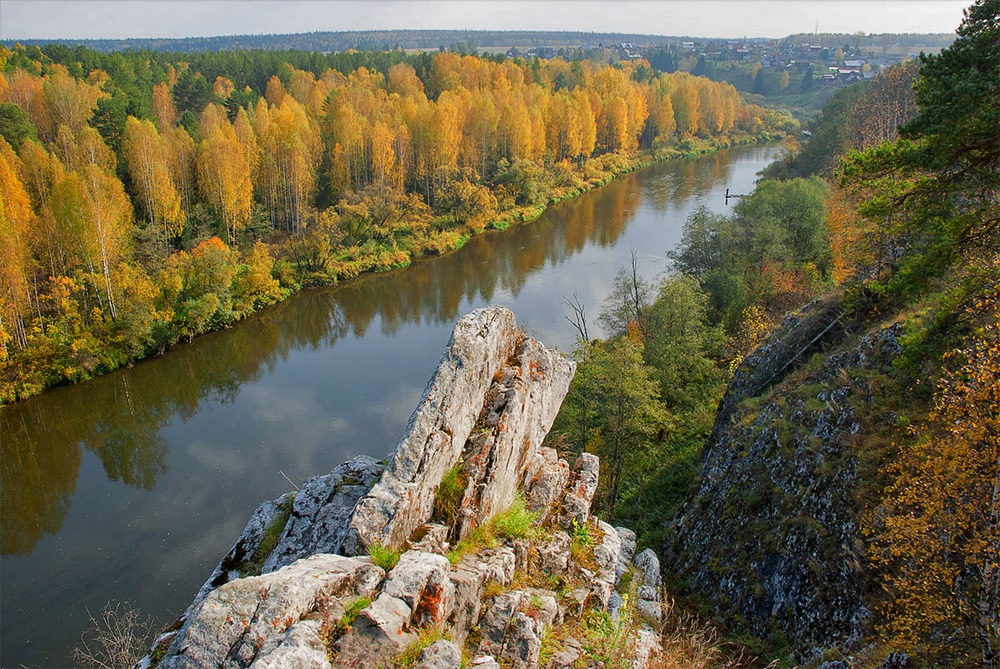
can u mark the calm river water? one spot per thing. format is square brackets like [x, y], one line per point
[131, 487]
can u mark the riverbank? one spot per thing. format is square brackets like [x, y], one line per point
[82, 346]
[130, 487]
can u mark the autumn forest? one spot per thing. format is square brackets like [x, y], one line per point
[150, 197]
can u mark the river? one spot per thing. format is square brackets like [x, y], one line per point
[131, 487]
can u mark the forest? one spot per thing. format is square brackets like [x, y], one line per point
[891, 209]
[151, 197]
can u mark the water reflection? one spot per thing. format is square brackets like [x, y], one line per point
[134, 483]
[119, 417]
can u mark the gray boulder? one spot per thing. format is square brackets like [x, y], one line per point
[422, 581]
[651, 588]
[442, 654]
[523, 646]
[545, 481]
[380, 631]
[301, 646]
[627, 537]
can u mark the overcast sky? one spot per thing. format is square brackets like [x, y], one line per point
[55, 19]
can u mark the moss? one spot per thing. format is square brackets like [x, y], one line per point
[252, 565]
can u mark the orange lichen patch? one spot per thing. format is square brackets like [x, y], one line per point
[430, 608]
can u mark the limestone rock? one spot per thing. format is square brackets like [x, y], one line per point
[380, 631]
[647, 649]
[496, 620]
[301, 646]
[517, 413]
[794, 456]
[554, 556]
[442, 654]
[322, 510]
[650, 591]
[508, 388]
[627, 552]
[246, 545]
[232, 623]
[580, 494]
[577, 600]
[543, 609]
[434, 539]
[546, 480]
[568, 656]
[422, 581]
[523, 646]
[480, 345]
[607, 552]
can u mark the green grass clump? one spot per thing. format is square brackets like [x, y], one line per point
[517, 522]
[350, 613]
[448, 499]
[384, 556]
[411, 653]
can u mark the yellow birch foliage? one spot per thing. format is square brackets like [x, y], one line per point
[71, 101]
[146, 156]
[15, 260]
[937, 534]
[163, 108]
[224, 177]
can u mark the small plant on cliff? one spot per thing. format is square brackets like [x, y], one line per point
[580, 533]
[385, 557]
[517, 522]
[411, 654]
[352, 611]
[448, 499]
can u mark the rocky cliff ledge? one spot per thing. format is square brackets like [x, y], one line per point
[771, 539]
[499, 560]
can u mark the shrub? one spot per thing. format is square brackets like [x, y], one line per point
[118, 637]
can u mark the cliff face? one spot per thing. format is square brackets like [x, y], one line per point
[771, 538]
[499, 556]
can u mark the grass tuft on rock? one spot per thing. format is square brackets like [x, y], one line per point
[385, 557]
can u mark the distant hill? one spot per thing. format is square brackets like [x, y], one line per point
[377, 40]
[386, 40]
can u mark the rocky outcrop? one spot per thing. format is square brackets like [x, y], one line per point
[772, 538]
[403, 498]
[297, 590]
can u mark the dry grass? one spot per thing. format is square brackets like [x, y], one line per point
[690, 643]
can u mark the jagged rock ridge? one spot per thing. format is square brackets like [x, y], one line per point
[319, 601]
